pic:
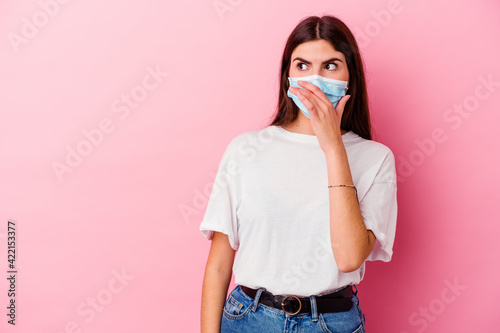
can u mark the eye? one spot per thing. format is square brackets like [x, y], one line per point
[332, 67]
[300, 64]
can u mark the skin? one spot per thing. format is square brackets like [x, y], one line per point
[316, 52]
[351, 241]
[216, 281]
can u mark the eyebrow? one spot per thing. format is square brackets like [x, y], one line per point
[323, 63]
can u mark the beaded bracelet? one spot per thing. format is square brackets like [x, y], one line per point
[355, 189]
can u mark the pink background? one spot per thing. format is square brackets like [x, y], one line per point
[118, 210]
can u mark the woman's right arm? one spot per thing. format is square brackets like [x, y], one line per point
[218, 272]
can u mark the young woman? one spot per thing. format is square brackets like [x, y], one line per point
[304, 201]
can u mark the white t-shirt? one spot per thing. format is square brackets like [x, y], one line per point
[271, 197]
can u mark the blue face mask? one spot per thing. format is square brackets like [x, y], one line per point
[333, 89]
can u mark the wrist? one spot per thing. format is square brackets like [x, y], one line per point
[335, 149]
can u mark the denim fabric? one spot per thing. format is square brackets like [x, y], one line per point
[243, 314]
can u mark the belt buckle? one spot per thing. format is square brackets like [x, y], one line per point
[283, 305]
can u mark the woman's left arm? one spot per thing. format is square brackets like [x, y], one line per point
[351, 241]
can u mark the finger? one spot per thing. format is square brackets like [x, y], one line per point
[314, 89]
[319, 96]
[320, 105]
[341, 105]
[308, 99]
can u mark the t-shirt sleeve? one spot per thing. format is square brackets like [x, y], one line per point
[220, 214]
[379, 209]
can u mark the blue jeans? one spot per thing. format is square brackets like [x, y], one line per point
[242, 314]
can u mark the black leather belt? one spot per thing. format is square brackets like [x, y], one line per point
[335, 302]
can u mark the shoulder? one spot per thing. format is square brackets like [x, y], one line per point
[373, 154]
[370, 147]
[249, 140]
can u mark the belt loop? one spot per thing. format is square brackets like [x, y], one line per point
[256, 299]
[314, 308]
[356, 292]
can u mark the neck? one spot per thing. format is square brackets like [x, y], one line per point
[302, 125]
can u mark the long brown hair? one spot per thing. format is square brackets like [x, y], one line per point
[356, 115]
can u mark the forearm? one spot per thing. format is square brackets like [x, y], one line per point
[214, 293]
[348, 233]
